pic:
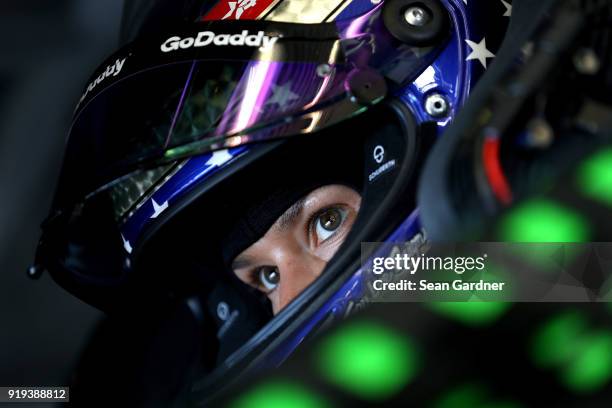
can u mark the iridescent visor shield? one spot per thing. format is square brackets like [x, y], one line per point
[217, 84]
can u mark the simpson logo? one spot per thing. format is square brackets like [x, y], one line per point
[206, 38]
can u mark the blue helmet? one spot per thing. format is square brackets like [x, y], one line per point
[176, 132]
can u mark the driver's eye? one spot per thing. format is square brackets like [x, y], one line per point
[328, 222]
[268, 277]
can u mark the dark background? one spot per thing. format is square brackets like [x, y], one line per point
[49, 49]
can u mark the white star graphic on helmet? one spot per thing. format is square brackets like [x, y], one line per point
[158, 209]
[219, 158]
[479, 52]
[282, 95]
[508, 6]
[126, 245]
[465, 1]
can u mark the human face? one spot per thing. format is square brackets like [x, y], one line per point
[296, 248]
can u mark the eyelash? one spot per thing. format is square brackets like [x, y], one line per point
[255, 281]
[311, 224]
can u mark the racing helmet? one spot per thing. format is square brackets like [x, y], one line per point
[213, 107]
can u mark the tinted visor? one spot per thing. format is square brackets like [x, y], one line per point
[217, 84]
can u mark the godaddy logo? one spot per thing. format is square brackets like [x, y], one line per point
[113, 70]
[207, 38]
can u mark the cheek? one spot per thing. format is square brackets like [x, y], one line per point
[326, 252]
[274, 299]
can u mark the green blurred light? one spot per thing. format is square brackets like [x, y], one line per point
[471, 313]
[467, 396]
[543, 221]
[595, 176]
[592, 367]
[368, 360]
[471, 396]
[557, 341]
[584, 360]
[280, 394]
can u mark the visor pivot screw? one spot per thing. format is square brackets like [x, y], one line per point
[436, 105]
[35, 271]
[416, 16]
[324, 70]
[366, 87]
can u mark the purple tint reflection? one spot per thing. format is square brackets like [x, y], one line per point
[249, 97]
[180, 104]
[358, 26]
[270, 91]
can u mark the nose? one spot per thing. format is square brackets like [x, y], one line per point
[297, 271]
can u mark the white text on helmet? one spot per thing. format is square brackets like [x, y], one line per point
[113, 69]
[206, 38]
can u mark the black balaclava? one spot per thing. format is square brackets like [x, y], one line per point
[277, 190]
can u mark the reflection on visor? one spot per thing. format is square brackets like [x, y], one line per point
[218, 84]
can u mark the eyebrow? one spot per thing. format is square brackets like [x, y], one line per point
[290, 216]
[241, 262]
[283, 223]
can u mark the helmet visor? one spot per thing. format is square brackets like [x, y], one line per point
[213, 85]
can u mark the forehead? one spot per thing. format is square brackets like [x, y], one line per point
[315, 198]
[281, 233]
